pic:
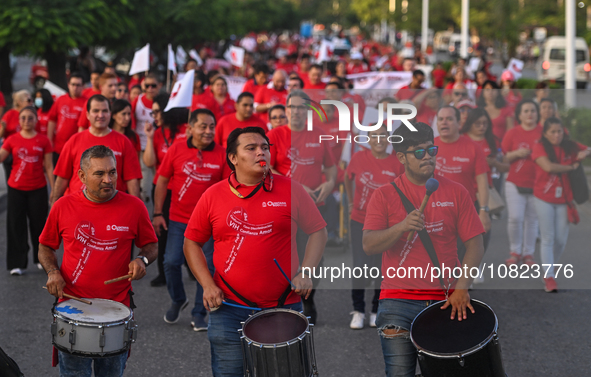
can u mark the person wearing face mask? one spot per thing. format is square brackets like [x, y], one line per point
[517, 146]
[27, 190]
[368, 170]
[188, 170]
[99, 133]
[43, 103]
[243, 117]
[554, 156]
[108, 88]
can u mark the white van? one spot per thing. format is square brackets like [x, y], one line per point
[551, 63]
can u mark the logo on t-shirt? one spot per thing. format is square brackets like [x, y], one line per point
[274, 204]
[118, 228]
[460, 159]
[442, 204]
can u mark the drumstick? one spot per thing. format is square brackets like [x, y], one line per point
[432, 185]
[74, 298]
[281, 269]
[118, 279]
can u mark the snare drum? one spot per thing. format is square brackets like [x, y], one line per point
[105, 328]
[455, 348]
[278, 342]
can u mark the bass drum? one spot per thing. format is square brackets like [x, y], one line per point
[467, 348]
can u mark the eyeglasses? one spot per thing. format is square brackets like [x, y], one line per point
[121, 90]
[420, 153]
[460, 94]
[151, 85]
[278, 117]
[154, 112]
[28, 100]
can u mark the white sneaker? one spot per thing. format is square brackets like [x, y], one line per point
[372, 319]
[39, 266]
[16, 272]
[357, 320]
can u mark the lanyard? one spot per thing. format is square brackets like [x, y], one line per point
[256, 189]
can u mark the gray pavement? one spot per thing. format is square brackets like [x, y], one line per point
[541, 334]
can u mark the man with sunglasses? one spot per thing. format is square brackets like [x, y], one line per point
[243, 117]
[141, 113]
[108, 89]
[462, 161]
[188, 170]
[252, 217]
[64, 114]
[449, 214]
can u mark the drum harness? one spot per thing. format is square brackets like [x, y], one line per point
[426, 240]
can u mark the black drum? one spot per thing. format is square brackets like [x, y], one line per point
[447, 348]
[278, 343]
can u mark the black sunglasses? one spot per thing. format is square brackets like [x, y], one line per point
[151, 85]
[460, 94]
[420, 153]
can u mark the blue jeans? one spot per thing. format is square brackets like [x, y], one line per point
[400, 355]
[553, 220]
[360, 259]
[224, 338]
[76, 366]
[174, 258]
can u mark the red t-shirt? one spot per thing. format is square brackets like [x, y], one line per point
[89, 92]
[369, 174]
[499, 124]
[407, 93]
[449, 214]
[522, 171]
[205, 101]
[250, 233]
[552, 187]
[357, 68]
[65, 112]
[2, 101]
[228, 107]
[128, 165]
[268, 95]
[162, 142]
[191, 175]
[438, 77]
[300, 155]
[461, 161]
[426, 115]
[229, 123]
[483, 145]
[43, 120]
[27, 165]
[13, 125]
[252, 87]
[98, 240]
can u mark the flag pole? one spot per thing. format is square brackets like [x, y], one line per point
[168, 81]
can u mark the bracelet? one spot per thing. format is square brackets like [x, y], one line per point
[53, 269]
[157, 214]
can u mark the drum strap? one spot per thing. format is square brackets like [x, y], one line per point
[280, 302]
[425, 239]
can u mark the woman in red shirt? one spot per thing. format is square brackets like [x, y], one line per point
[519, 187]
[120, 121]
[368, 170]
[9, 124]
[27, 190]
[494, 103]
[554, 155]
[219, 90]
[548, 109]
[167, 129]
[43, 103]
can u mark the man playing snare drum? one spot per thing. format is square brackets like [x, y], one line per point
[98, 226]
[253, 217]
[449, 214]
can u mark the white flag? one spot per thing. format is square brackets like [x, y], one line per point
[171, 61]
[54, 90]
[515, 66]
[181, 55]
[195, 55]
[235, 55]
[182, 92]
[141, 61]
[324, 51]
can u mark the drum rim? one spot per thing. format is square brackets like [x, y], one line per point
[280, 344]
[93, 354]
[124, 321]
[468, 352]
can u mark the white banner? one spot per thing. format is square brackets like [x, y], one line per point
[141, 61]
[54, 90]
[235, 85]
[373, 86]
[171, 61]
[182, 92]
[516, 67]
[235, 55]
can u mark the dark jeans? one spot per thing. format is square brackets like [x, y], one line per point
[7, 167]
[330, 213]
[360, 259]
[485, 239]
[22, 205]
[163, 233]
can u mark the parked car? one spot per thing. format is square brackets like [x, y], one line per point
[551, 63]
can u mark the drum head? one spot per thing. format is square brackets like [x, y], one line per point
[275, 326]
[101, 311]
[433, 330]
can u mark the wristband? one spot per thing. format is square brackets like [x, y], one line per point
[53, 269]
[157, 214]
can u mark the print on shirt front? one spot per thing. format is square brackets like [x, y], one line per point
[23, 155]
[87, 241]
[238, 220]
